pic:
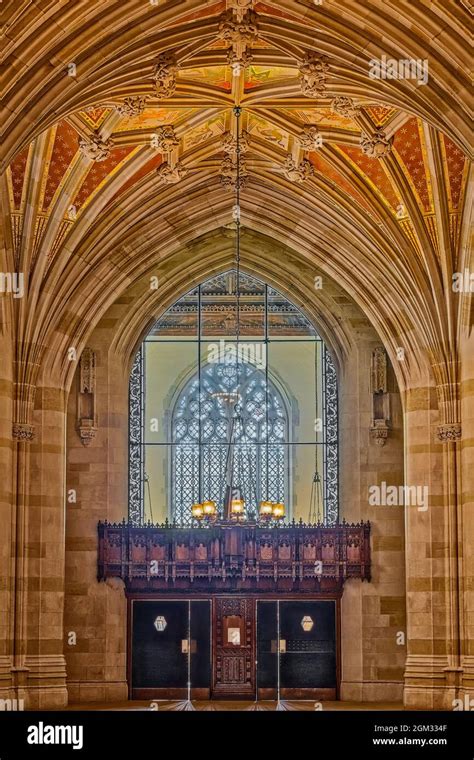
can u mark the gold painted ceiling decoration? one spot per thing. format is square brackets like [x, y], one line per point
[287, 131]
[118, 143]
[300, 123]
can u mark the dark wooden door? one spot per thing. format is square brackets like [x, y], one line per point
[308, 662]
[233, 667]
[304, 664]
[170, 643]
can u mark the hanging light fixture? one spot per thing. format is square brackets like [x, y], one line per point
[266, 510]
[278, 510]
[234, 503]
[237, 510]
[197, 511]
[209, 509]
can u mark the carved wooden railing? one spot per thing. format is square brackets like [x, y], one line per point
[288, 558]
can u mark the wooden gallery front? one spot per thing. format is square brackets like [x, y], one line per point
[234, 611]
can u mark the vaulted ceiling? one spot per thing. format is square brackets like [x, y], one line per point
[119, 149]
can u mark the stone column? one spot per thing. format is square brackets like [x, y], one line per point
[7, 512]
[432, 596]
[466, 516]
[373, 625]
[40, 552]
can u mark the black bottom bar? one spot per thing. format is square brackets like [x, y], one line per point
[125, 734]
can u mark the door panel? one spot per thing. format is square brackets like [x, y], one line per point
[234, 647]
[201, 649]
[160, 658]
[267, 665]
[243, 630]
[308, 651]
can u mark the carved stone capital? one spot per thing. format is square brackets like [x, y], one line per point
[313, 72]
[376, 145]
[165, 138]
[132, 106]
[171, 175]
[344, 106]
[449, 433]
[164, 75]
[297, 172]
[310, 138]
[96, 148]
[22, 431]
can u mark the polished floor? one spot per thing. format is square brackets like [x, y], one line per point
[218, 705]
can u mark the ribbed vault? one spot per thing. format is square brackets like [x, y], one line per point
[121, 166]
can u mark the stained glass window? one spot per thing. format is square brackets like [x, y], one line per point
[200, 434]
[282, 420]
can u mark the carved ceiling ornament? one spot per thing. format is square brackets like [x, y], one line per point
[228, 174]
[171, 175]
[377, 145]
[229, 142]
[238, 62]
[344, 106]
[96, 148]
[132, 106]
[449, 432]
[240, 7]
[313, 73]
[298, 172]
[164, 75]
[165, 138]
[310, 138]
[238, 32]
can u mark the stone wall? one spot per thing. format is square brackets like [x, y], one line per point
[373, 626]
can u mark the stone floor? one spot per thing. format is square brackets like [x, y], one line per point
[217, 705]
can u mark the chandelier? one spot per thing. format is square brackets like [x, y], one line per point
[234, 507]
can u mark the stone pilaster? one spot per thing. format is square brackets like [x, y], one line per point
[95, 631]
[373, 624]
[40, 615]
[6, 519]
[432, 596]
[466, 514]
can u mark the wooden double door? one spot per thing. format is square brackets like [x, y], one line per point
[233, 647]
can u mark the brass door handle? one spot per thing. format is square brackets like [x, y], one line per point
[185, 646]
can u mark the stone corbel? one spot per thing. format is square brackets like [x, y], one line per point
[86, 398]
[381, 414]
[379, 431]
